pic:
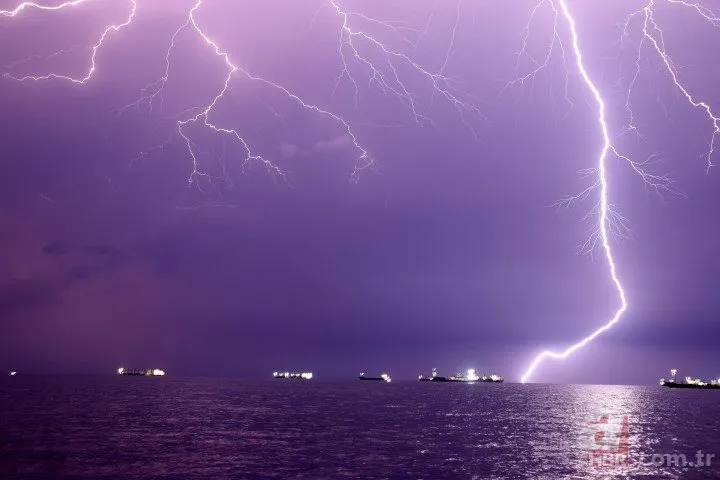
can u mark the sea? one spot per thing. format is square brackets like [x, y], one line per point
[164, 428]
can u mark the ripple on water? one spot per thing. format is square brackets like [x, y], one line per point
[122, 428]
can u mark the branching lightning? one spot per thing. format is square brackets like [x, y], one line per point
[353, 42]
[608, 219]
[30, 5]
[366, 59]
[602, 184]
[653, 34]
[91, 70]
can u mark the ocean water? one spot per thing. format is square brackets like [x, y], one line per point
[164, 428]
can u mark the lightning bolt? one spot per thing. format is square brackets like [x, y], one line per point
[92, 68]
[30, 5]
[604, 209]
[366, 59]
[204, 112]
[152, 91]
[609, 220]
[355, 44]
[351, 54]
[654, 35]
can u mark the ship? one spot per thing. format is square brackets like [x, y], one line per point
[434, 377]
[689, 382]
[135, 372]
[492, 379]
[469, 377]
[382, 378]
[293, 375]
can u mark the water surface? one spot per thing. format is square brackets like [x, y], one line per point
[165, 428]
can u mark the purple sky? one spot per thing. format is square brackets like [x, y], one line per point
[447, 254]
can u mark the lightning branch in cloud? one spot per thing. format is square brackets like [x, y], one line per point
[355, 46]
[152, 94]
[653, 38]
[103, 37]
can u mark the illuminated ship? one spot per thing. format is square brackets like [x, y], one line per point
[293, 375]
[382, 378]
[133, 372]
[469, 377]
[689, 382]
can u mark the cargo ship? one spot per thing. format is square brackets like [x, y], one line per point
[293, 375]
[689, 382]
[382, 378]
[134, 372]
[469, 377]
[492, 379]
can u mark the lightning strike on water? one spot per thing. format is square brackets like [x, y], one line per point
[609, 221]
[358, 49]
[602, 183]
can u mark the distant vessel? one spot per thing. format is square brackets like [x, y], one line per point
[12, 374]
[492, 379]
[689, 382]
[134, 372]
[293, 375]
[469, 377]
[382, 378]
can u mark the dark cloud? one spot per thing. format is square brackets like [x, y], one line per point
[20, 295]
[84, 272]
[57, 248]
[107, 250]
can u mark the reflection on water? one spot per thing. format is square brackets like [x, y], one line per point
[165, 428]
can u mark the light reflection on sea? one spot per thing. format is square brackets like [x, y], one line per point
[85, 427]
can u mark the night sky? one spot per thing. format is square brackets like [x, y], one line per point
[446, 253]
